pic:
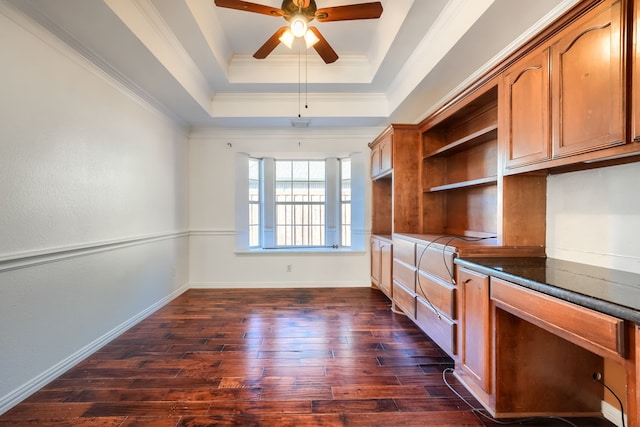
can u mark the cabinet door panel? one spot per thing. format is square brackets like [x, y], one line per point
[476, 326]
[375, 162]
[404, 299]
[526, 112]
[386, 261]
[588, 83]
[375, 261]
[386, 155]
[405, 274]
[439, 328]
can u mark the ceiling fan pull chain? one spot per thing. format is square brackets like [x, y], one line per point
[306, 78]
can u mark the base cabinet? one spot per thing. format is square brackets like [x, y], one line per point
[524, 353]
[475, 326]
[425, 290]
[381, 264]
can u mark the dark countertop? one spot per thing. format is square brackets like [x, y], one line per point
[613, 292]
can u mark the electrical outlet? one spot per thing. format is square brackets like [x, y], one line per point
[289, 268]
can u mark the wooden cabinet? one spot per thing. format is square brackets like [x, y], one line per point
[382, 155]
[395, 165]
[381, 261]
[395, 176]
[588, 82]
[404, 276]
[475, 329]
[525, 111]
[460, 172]
[564, 104]
[424, 272]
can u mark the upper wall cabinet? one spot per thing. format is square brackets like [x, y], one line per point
[525, 110]
[395, 164]
[564, 103]
[587, 82]
[382, 155]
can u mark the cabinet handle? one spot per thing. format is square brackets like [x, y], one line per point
[466, 281]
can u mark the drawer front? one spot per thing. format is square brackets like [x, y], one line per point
[404, 250]
[436, 262]
[440, 293]
[404, 274]
[597, 332]
[440, 329]
[404, 299]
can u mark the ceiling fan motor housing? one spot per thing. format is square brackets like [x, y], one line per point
[292, 9]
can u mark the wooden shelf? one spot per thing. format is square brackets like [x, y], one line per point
[489, 180]
[483, 135]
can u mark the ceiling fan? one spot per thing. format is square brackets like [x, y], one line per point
[299, 13]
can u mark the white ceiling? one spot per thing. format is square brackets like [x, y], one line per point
[194, 60]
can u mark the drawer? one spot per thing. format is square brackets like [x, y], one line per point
[404, 250]
[440, 293]
[404, 299]
[404, 274]
[440, 329]
[435, 261]
[597, 332]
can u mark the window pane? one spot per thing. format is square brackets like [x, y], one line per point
[317, 171]
[283, 170]
[300, 170]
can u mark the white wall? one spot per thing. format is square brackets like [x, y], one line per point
[94, 208]
[593, 217]
[214, 261]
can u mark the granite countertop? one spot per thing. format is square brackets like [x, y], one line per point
[612, 292]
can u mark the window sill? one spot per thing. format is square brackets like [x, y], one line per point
[301, 251]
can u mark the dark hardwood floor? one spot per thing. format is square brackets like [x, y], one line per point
[322, 357]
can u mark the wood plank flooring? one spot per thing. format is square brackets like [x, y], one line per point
[290, 357]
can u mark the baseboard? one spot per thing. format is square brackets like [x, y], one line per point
[18, 395]
[277, 285]
[613, 414]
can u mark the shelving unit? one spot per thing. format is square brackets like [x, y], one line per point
[460, 173]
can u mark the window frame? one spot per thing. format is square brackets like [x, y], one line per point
[332, 227]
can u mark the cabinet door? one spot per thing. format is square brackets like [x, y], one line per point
[635, 96]
[386, 262]
[525, 109]
[588, 83]
[376, 261]
[476, 326]
[375, 161]
[386, 154]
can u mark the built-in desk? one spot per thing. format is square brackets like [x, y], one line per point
[547, 328]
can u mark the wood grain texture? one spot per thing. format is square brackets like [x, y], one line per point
[322, 357]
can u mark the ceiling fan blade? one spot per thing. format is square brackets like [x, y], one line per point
[249, 7]
[323, 48]
[371, 10]
[270, 44]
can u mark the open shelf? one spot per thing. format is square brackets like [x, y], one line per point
[489, 180]
[476, 138]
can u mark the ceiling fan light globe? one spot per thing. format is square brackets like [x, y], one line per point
[310, 39]
[287, 38]
[298, 26]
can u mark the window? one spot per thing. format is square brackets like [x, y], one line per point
[299, 203]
